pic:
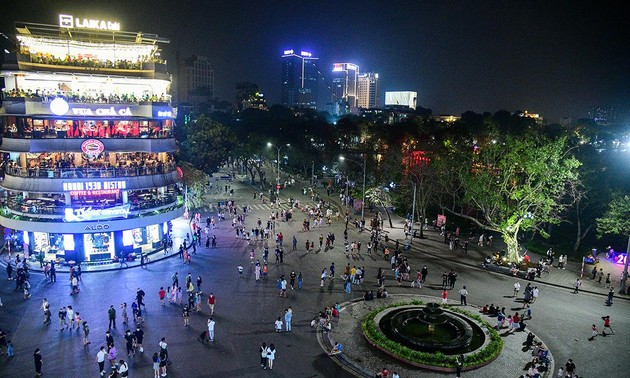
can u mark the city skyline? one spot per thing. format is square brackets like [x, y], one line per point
[546, 58]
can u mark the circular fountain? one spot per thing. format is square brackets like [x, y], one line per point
[431, 329]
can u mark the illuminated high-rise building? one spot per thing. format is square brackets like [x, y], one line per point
[299, 79]
[88, 128]
[345, 77]
[368, 91]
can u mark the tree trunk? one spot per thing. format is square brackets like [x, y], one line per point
[510, 239]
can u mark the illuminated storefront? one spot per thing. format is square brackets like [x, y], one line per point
[87, 132]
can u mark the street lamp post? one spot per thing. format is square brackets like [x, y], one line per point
[269, 144]
[364, 169]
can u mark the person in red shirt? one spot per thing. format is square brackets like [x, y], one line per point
[162, 294]
[211, 303]
[516, 322]
[444, 296]
[384, 373]
[606, 325]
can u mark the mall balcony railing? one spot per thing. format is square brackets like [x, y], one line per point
[33, 62]
[18, 207]
[85, 172]
[76, 98]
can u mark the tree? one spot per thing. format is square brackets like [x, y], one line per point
[510, 187]
[378, 195]
[206, 144]
[616, 221]
[195, 182]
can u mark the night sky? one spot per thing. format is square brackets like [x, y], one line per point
[556, 58]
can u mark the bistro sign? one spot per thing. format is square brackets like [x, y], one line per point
[70, 22]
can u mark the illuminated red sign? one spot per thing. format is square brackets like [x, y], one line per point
[92, 147]
[102, 192]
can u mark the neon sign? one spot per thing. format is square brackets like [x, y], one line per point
[305, 53]
[94, 185]
[111, 111]
[90, 214]
[164, 113]
[70, 22]
[92, 147]
[288, 52]
[94, 193]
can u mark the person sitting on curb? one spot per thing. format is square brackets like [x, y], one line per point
[337, 349]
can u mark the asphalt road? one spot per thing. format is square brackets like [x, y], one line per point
[246, 310]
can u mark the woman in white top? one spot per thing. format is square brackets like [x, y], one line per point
[271, 355]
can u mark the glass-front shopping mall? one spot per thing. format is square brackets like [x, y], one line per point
[87, 144]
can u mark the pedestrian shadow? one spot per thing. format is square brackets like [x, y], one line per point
[434, 287]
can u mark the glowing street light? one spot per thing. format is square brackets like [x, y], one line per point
[269, 144]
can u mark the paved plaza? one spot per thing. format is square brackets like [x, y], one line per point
[246, 310]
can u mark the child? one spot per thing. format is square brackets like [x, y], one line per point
[278, 324]
[10, 349]
[594, 332]
[444, 297]
[240, 271]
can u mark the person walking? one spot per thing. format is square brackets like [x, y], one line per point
[70, 316]
[606, 320]
[299, 280]
[156, 365]
[86, 332]
[517, 288]
[271, 356]
[609, 299]
[129, 341]
[460, 365]
[211, 302]
[425, 272]
[163, 352]
[162, 295]
[112, 316]
[257, 270]
[323, 277]
[100, 360]
[138, 334]
[263, 355]
[186, 315]
[463, 293]
[444, 296]
[292, 277]
[594, 333]
[123, 310]
[123, 369]
[288, 315]
[576, 286]
[37, 358]
[211, 324]
[163, 357]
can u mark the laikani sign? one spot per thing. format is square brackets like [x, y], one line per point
[70, 22]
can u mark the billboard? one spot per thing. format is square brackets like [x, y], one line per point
[401, 98]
